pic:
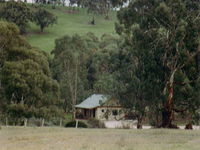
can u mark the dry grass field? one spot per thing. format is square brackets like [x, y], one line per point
[30, 138]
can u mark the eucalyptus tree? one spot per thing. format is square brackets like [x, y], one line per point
[172, 31]
[71, 55]
[104, 66]
[25, 74]
[97, 7]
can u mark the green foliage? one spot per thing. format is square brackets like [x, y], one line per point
[44, 18]
[28, 80]
[69, 66]
[84, 65]
[18, 111]
[97, 7]
[26, 77]
[104, 65]
[93, 6]
[72, 124]
[163, 44]
[16, 12]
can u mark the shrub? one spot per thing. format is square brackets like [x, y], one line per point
[73, 124]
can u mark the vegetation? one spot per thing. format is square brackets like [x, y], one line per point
[76, 65]
[26, 84]
[21, 14]
[69, 23]
[71, 55]
[101, 7]
[152, 66]
[72, 124]
[18, 13]
[43, 18]
[164, 47]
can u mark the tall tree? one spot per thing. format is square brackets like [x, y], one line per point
[69, 67]
[25, 74]
[104, 66]
[172, 27]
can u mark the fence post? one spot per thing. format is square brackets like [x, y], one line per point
[25, 122]
[76, 123]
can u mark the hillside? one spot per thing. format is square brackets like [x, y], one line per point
[69, 23]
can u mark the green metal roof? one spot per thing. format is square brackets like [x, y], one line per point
[93, 101]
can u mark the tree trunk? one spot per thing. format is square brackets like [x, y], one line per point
[139, 123]
[41, 29]
[167, 114]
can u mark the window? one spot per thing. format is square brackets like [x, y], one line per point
[102, 110]
[115, 112]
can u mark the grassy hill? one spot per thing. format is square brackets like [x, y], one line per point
[69, 23]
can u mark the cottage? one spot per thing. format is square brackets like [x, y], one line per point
[100, 107]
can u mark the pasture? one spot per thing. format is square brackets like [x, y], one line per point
[69, 24]
[53, 138]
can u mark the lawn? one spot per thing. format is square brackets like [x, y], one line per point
[69, 23]
[52, 138]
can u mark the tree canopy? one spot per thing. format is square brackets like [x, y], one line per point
[25, 75]
[16, 12]
[168, 32]
[44, 18]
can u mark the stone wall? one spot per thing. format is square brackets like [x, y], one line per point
[109, 113]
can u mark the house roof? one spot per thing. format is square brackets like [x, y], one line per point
[93, 101]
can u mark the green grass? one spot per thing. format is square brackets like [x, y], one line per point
[53, 138]
[69, 24]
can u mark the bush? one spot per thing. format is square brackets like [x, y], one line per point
[73, 124]
[94, 123]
